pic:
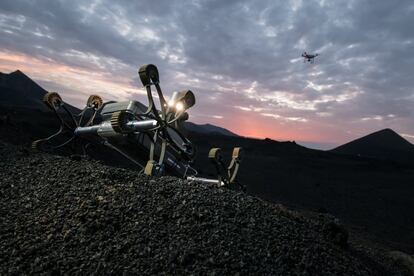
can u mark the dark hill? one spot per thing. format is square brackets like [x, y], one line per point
[23, 115]
[208, 129]
[383, 144]
[18, 90]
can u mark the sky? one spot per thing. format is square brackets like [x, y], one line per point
[242, 59]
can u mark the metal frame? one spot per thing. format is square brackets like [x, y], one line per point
[154, 131]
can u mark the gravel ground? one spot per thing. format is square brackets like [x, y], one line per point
[64, 216]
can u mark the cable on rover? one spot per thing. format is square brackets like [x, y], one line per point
[36, 144]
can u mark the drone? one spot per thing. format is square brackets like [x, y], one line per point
[309, 57]
[149, 137]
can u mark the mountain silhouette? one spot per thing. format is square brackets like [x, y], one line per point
[208, 129]
[17, 89]
[383, 144]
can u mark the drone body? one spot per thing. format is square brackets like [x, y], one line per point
[309, 57]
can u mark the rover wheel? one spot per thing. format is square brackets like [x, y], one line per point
[237, 153]
[36, 144]
[94, 101]
[214, 154]
[148, 74]
[52, 100]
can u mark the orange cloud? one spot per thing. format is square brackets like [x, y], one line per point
[76, 82]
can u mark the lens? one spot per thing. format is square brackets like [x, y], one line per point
[179, 106]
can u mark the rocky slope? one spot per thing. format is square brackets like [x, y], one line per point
[59, 215]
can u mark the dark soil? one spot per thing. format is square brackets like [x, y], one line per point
[64, 216]
[373, 196]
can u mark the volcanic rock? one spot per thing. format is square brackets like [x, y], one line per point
[60, 216]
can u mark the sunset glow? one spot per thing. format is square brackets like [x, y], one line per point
[244, 68]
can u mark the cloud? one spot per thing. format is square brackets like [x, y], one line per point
[235, 55]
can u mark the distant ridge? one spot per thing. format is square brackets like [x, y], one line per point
[208, 129]
[383, 144]
[17, 89]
